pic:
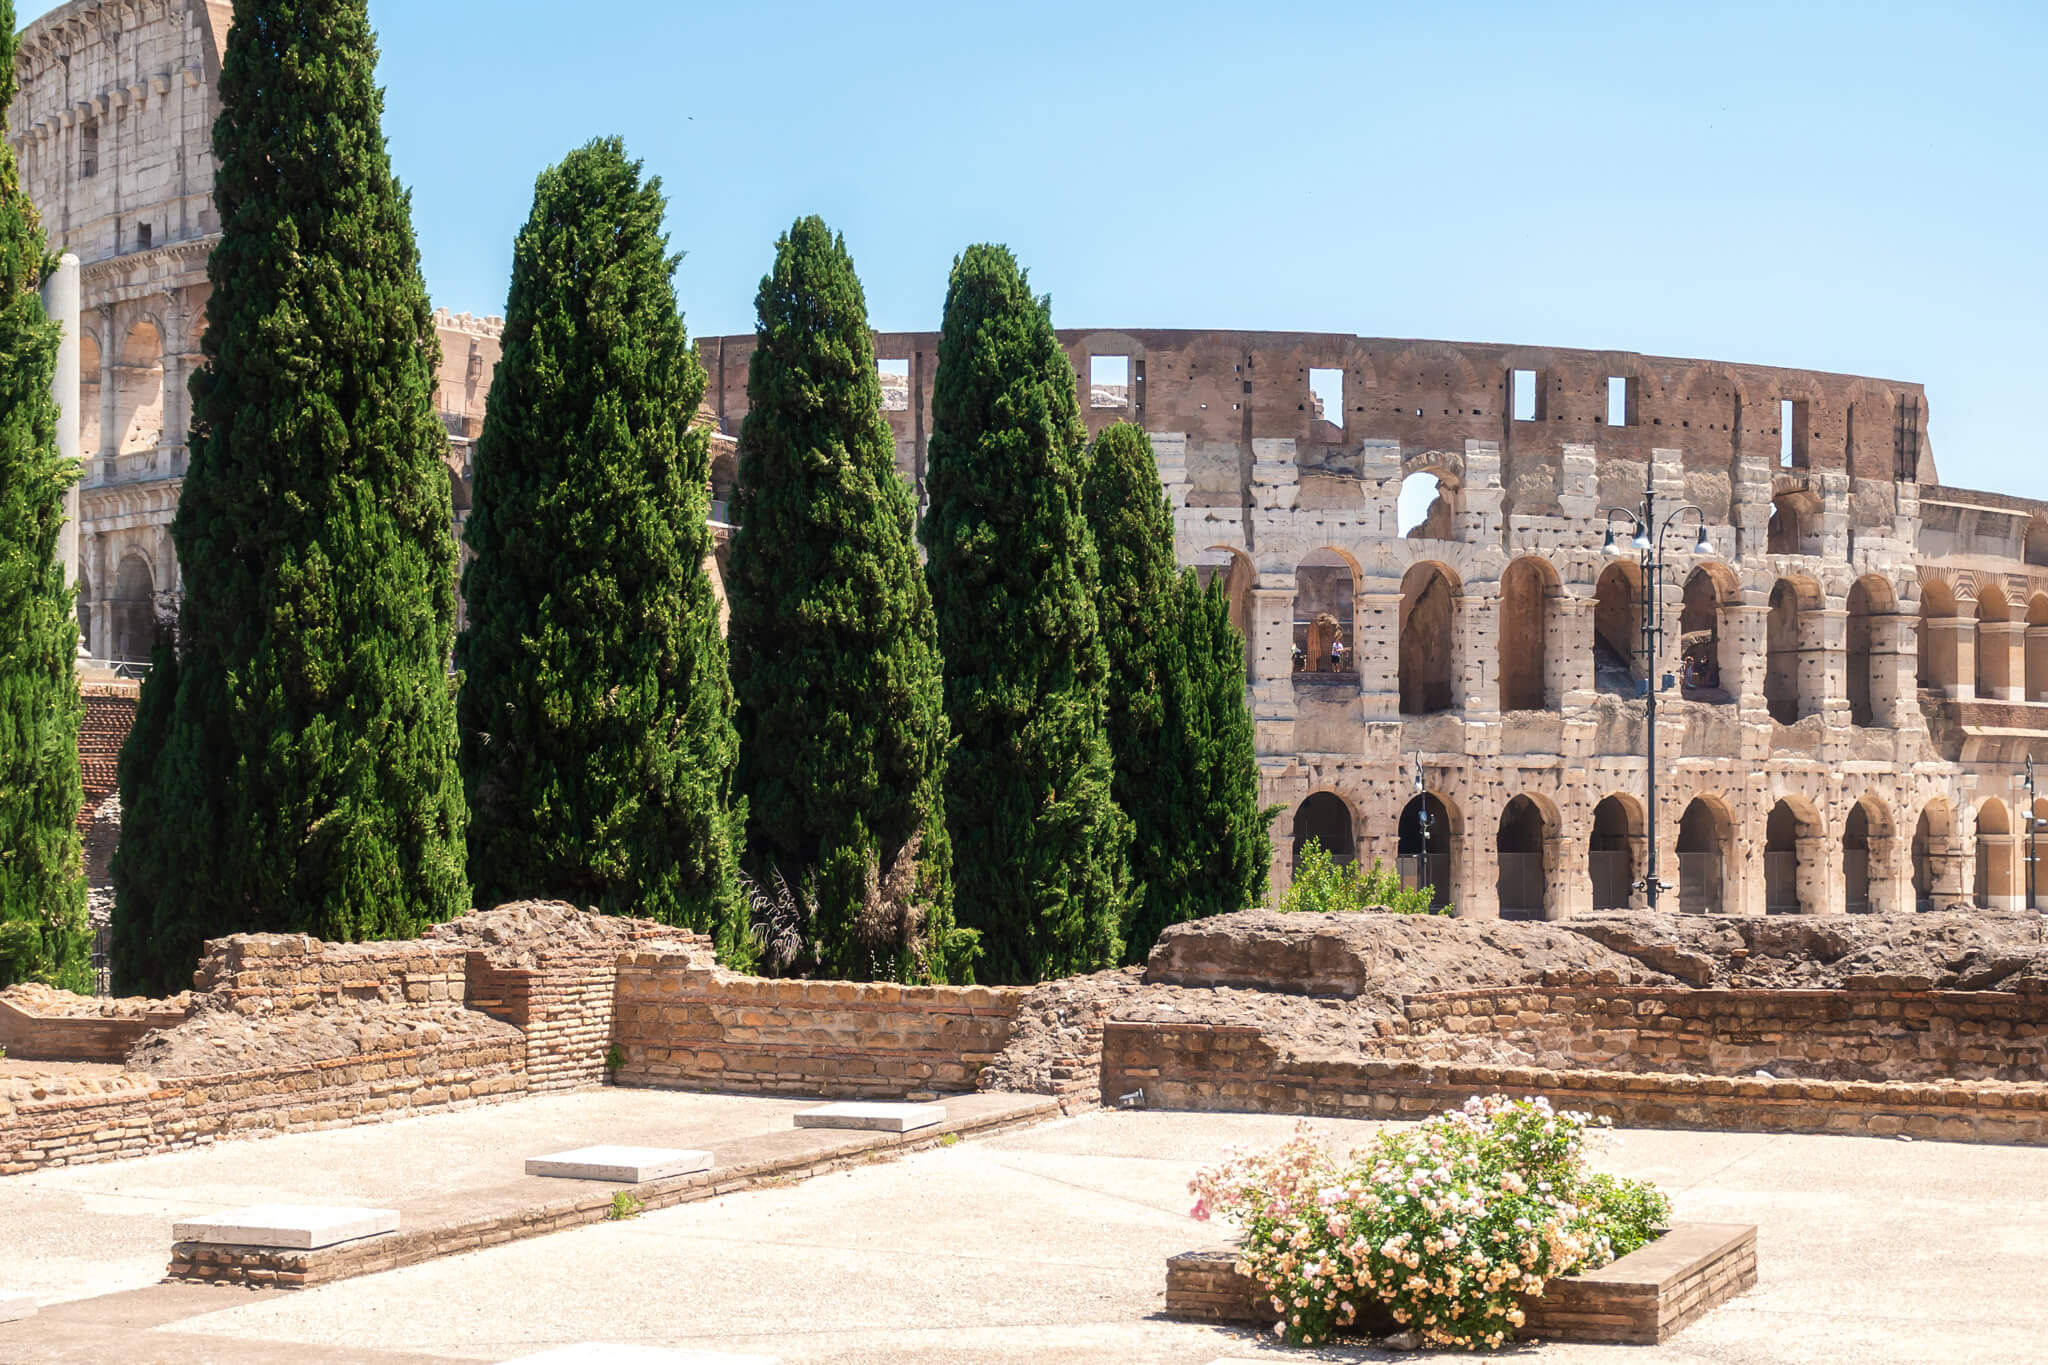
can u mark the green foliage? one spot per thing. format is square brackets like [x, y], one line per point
[297, 768]
[1631, 1214]
[1322, 885]
[624, 1206]
[1039, 846]
[1179, 730]
[614, 1058]
[43, 933]
[835, 659]
[596, 714]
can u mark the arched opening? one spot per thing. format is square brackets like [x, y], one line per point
[1856, 861]
[1519, 846]
[1792, 520]
[2037, 648]
[1617, 629]
[1528, 592]
[88, 394]
[133, 623]
[1611, 855]
[1869, 598]
[1934, 863]
[1996, 632]
[1323, 639]
[1424, 847]
[1235, 572]
[1783, 833]
[1699, 639]
[1429, 640]
[1326, 818]
[1783, 655]
[2035, 550]
[1995, 862]
[1703, 840]
[139, 389]
[1938, 670]
[1422, 509]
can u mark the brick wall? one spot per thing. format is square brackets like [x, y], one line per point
[564, 1007]
[264, 973]
[67, 1122]
[30, 1036]
[1818, 1034]
[681, 1024]
[1234, 1067]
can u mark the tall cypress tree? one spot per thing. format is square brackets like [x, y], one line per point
[1039, 845]
[835, 656]
[597, 737]
[42, 874]
[302, 777]
[1227, 845]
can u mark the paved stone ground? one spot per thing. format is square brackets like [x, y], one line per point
[1048, 1245]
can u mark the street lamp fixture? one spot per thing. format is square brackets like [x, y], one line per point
[1645, 533]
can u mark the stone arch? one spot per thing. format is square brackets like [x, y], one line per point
[1939, 658]
[1792, 870]
[2034, 549]
[1868, 856]
[2037, 647]
[1996, 884]
[1522, 850]
[1937, 868]
[1426, 506]
[1327, 818]
[1793, 528]
[1706, 838]
[133, 614]
[1709, 590]
[1790, 650]
[1997, 633]
[1431, 604]
[139, 389]
[1234, 567]
[1426, 844]
[1618, 628]
[89, 392]
[1525, 621]
[1612, 850]
[1869, 598]
[1325, 591]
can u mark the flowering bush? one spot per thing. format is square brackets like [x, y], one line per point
[1444, 1224]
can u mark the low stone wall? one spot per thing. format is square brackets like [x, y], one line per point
[1232, 1067]
[563, 1006]
[1643, 1298]
[262, 973]
[30, 1035]
[682, 1024]
[1818, 1034]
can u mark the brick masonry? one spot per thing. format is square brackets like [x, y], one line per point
[1642, 1299]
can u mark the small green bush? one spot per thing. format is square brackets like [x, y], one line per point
[1322, 886]
[624, 1206]
[1632, 1213]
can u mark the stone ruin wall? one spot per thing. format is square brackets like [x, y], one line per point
[1494, 643]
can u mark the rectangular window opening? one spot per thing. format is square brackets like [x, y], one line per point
[1618, 414]
[895, 377]
[144, 236]
[89, 149]
[1109, 381]
[1792, 419]
[1522, 397]
[1326, 396]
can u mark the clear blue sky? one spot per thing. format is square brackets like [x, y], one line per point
[1854, 187]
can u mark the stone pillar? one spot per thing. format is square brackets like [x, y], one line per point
[2037, 663]
[1570, 646]
[110, 347]
[1953, 640]
[102, 607]
[60, 302]
[2005, 642]
[1376, 625]
[1272, 646]
[1893, 663]
[1824, 665]
[1822, 890]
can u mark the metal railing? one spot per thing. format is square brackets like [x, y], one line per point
[1781, 883]
[1612, 871]
[1521, 884]
[1699, 883]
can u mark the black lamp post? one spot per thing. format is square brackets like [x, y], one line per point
[2027, 782]
[1648, 542]
[1422, 876]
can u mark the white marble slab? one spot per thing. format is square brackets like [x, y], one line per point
[879, 1116]
[295, 1227]
[628, 1164]
[606, 1353]
[15, 1307]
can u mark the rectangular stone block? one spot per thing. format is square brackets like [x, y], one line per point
[295, 1227]
[630, 1165]
[608, 1353]
[15, 1307]
[873, 1116]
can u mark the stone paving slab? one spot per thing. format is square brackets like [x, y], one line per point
[607, 1353]
[628, 1165]
[15, 1307]
[294, 1227]
[873, 1116]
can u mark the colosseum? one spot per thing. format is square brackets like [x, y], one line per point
[1448, 668]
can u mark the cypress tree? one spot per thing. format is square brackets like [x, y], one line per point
[301, 774]
[1039, 846]
[1186, 771]
[596, 715]
[42, 874]
[835, 657]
